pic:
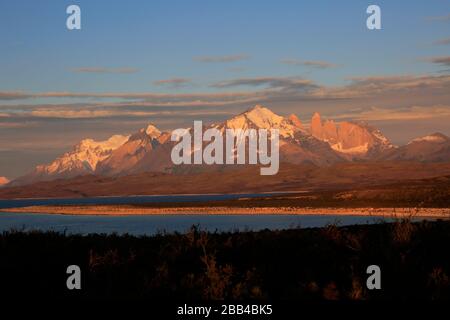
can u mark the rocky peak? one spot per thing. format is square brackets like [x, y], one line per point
[316, 126]
[152, 131]
[329, 130]
[348, 137]
[295, 120]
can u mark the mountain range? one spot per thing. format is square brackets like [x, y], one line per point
[322, 143]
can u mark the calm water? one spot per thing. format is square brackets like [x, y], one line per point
[128, 200]
[140, 225]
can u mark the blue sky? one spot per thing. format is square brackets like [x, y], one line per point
[216, 47]
[161, 38]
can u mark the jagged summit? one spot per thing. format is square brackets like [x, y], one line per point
[152, 131]
[110, 144]
[130, 153]
[82, 159]
[295, 120]
[324, 142]
[85, 155]
[260, 117]
[350, 138]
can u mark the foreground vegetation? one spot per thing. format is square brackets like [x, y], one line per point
[311, 264]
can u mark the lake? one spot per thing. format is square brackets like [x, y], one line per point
[152, 224]
[148, 225]
[15, 203]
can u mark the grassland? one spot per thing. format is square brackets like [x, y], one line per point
[299, 264]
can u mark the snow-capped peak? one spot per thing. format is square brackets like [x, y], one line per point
[3, 181]
[85, 156]
[433, 138]
[152, 131]
[260, 117]
[111, 144]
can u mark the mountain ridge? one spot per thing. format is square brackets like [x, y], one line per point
[324, 143]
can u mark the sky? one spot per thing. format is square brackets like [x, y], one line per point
[172, 62]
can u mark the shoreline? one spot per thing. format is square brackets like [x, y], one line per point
[128, 210]
[265, 193]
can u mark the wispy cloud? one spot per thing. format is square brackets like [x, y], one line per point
[283, 83]
[174, 82]
[439, 18]
[221, 59]
[442, 42]
[309, 63]
[443, 61]
[408, 113]
[104, 70]
[93, 113]
[14, 125]
[14, 95]
[364, 87]
[272, 90]
[5, 95]
[70, 114]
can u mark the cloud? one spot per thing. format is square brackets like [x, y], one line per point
[400, 89]
[442, 42]
[221, 59]
[403, 114]
[69, 114]
[93, 113]
[309, 63]
[439, 18]
[174, 82]
[283, 83]
[443, 61]
[154, 99]
[104, 70]
[14, 95]
[14, 125]
[377, 86]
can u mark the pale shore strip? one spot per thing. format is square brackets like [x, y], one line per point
[124, 210]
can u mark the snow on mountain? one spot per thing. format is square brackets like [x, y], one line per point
[352, 139]
[128, 155]
[85, 156]
[3, 181]
[431, 148]
[152, 131]
[82, 159]
[296, 144]
[434, 138]
[325, 142]
[260, 117]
